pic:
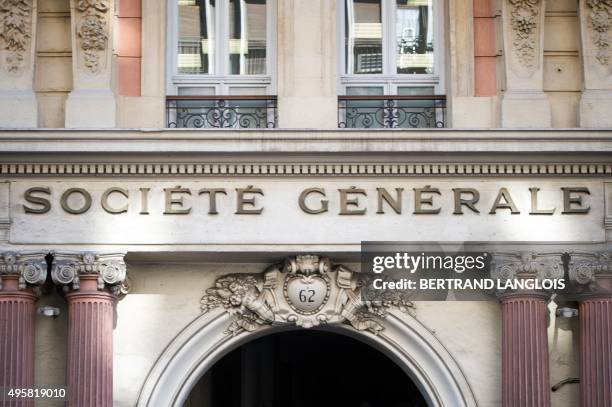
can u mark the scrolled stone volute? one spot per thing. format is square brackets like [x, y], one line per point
[584, 269]
[29, 267]
[508, 266]
[109, 268]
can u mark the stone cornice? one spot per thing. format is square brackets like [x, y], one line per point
[279, 142]
[69, 267]
[29, 267]
[311, 169]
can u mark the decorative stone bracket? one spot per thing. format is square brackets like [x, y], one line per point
[29, 268]
[109, 269]
[305, 290]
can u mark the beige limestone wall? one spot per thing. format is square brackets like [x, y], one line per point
[307, 64]
[148, 109]
[53, 65]
[564, 351]
[51, 348]
[165, 298]
[562, 65]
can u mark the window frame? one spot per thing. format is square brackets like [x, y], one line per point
[389, 80]
[222, 82]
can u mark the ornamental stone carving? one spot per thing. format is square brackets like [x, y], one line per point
[599, 22]
[526, 265]
[16, 32]
[31, 269]
[92, 32]
[524, 20]
[109, 268]
[305, 290]
[584, 268]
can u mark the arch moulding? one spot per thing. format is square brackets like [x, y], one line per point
[244, 307]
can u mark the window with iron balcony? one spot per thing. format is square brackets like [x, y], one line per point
[391, 64]
[221, 64]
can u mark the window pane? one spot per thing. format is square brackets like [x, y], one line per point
[363, 37]
[415, 90]
[196, 37]
[414, 36]
[247, 43]
[196, 90]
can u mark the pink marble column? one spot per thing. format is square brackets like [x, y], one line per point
[17, 315]
[21, 275]
[595, 313]
[525, 372]
[91, 282]
[90, 345]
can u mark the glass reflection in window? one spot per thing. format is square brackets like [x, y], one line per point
[247, 40]
[363, 37]
[414, 36]
[196, 37]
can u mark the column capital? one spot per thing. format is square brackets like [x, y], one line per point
[108, 269]
[526, 265]
[591, 272]
[28, 268]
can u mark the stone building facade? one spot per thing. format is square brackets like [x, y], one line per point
[169, 168]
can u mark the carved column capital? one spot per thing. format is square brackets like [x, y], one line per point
[526, 265]
[107, 268]
[591, 273]
[29, 269]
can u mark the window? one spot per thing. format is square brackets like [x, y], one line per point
[221, 47]
[391, 47]
[391, 64]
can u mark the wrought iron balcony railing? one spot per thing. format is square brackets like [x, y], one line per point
[381, 112]
[239, 112]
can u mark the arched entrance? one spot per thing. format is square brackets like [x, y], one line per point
[302, 293]
[304, 368]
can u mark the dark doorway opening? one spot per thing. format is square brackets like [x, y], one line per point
[305, 369]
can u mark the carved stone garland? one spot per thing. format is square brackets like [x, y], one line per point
[15, 31]
[92, 32]
[524, 16]
[600, 20]
[305, 290]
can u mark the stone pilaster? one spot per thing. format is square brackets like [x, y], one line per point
[525, 366]
[17, 43]
[594, 273]
[92, 102]
[596, 36]
[524, 103]
[91, 282]
[316, 91]
[20, 278]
